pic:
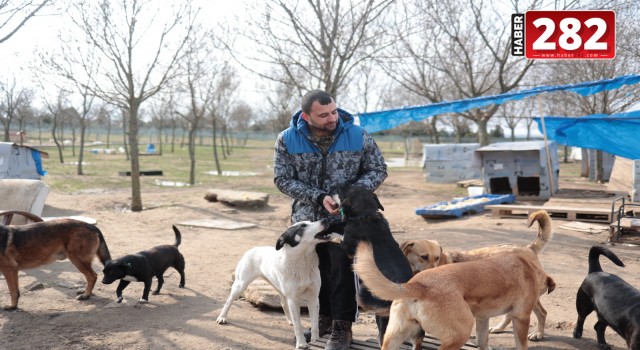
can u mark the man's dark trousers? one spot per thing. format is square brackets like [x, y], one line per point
[338, 289]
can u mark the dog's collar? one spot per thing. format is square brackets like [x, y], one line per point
[359, 217]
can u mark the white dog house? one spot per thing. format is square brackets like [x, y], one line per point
[518, 168]
[20, 162]
[449, 163]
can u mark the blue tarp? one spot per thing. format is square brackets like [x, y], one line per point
[615, 133]
[389, 119]
[435, 211]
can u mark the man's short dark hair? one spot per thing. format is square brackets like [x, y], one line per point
[312, 96]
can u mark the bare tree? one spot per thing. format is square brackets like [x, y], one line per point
[240, 120]
[450, 50]
[283, 103]
[199, 79]
[139, 47]
[63, 66]
[55, 108]
[219, 108]
[26, 113]
[10, 99]
[320, 39]
[15, 14]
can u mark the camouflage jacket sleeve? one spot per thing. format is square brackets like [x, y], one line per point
[285, 177]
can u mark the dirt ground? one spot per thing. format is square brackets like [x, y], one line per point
[49, 316]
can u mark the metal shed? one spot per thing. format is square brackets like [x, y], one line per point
[519, 168]
[20, 162]
[449, 163]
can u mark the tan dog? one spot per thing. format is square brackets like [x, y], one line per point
[446, 301]
[425, 254]
[33, 245]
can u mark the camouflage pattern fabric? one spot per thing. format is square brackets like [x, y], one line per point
[302, 172]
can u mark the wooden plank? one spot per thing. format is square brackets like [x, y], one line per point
[428, 343]
[563, 213]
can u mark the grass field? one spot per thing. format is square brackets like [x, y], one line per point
[102, 170]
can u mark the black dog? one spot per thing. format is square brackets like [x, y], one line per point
[141, 267]
[615, 301]
[359, 208]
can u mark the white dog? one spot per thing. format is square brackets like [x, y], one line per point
[291, 268]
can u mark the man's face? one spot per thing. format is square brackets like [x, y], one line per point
[322, 119]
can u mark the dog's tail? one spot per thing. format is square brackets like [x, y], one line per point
[379, 285]
[103, 250]
[178, 236]
[594, 261]
[545, 230]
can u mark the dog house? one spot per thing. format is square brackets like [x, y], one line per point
[20, 162]
[449, 163]
[518, 168]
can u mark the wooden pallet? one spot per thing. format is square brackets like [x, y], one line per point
[562, 213]
[429, 343]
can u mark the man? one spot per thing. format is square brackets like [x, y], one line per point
[321, 152]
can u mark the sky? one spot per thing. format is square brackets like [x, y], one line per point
[40, 33]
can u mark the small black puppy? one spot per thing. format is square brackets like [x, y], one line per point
[615, 301]
[359, 208]
[141, 267]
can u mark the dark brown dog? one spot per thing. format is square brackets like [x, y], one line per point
[33, 245]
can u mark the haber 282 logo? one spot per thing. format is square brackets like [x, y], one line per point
[564, 34]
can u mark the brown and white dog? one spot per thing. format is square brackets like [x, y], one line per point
[33, 245]
[445, 301]
[424, 254]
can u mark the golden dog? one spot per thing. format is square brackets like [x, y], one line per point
[424, 254]
[445, 301]
[33, 245]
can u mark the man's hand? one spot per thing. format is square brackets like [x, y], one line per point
[330, 205]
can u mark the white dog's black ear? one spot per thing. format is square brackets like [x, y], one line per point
[378, 201]
[289, 236]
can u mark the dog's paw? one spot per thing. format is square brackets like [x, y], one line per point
[156, 292]
[119, 300]
[302, 346]
[10, 307]
[181, 285]
[143, 301]
[83, 297]
[335, 238]
[496, 330]
[535, 336]
[577, 333]
[221, 320]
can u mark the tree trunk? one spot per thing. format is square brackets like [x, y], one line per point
[83, 129]
[173, 138]
[192, 153]
[39, 132]
[108, 131]
[55, 138]
[136, 196]
[215, 149]
[584, 168]
[599, 167]
[434, 129]
[483, 135]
